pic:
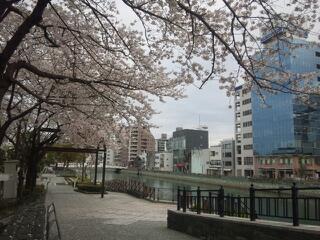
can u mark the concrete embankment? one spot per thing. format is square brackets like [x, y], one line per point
[209, 227]
[228, 182]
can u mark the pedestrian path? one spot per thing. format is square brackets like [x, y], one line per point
[115, 217]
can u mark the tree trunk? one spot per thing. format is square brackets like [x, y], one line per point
[31, 177]
[4, 86]
[3, 129]
[12, 44]
[20, 184]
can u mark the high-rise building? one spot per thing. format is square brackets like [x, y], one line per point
[243, 133]
[141, 141]
[161, 144]
[121, 155]
[227, 157]
[183, 141]
[282, 133]
[286, 130]
[109, 157]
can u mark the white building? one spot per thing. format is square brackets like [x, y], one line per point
[161, 144]
[199, 161]
[164, 161]
[243, 133]
[109, 158]
[214, 166]
[227, 157]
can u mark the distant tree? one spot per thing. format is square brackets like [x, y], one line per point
[64, 157]
[138, 164]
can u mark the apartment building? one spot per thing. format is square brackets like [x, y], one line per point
[243, 165]
[141, 141]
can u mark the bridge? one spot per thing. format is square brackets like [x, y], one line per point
[117, 169]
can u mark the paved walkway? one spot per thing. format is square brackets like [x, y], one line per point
[116, 216]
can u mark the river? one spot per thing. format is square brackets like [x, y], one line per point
[166, 190]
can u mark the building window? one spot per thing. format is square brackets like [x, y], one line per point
[245, 91]
[237, 95]
[318, 66]
[317, 54]
[227, 146]
[227, 154]
[212, 153]
[238, 127]
[239, 160]
[238, 138]
[246, 101]
[248, 160]
[239, 149]
[247, 112]
[247, 124]
[238, 115]
[318, 79]
[237, 106]
[228, 163]
[247, 135]
[247, 147]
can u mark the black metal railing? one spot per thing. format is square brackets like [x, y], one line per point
[291, 205]
[51, 220]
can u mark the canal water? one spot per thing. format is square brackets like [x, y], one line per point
[167, 185]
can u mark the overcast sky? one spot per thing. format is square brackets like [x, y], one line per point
[210, 103]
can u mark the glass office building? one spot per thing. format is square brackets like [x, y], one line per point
[284, 124]
[286, 130]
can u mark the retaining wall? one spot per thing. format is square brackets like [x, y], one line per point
[212, 227]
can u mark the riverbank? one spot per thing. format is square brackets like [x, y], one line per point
[237, 183]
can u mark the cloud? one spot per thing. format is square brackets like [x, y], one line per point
[209, 103]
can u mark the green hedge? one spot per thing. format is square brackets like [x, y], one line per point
[89, 187]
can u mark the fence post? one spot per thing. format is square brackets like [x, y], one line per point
[221, 202]
[239, 205]
[210, 202]
[184, 198]
[295, 205]
[198, 200]
[172, 194]
[252, 203]
[178, 199]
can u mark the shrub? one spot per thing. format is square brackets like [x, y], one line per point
[89, 187]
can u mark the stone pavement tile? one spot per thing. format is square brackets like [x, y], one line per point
[116, 216]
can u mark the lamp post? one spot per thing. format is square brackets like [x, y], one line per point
[96, 166]
[103, 170]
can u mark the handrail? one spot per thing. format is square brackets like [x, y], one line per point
[51, 209]
[253, 206]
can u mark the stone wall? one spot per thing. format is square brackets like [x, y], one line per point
[211, 227]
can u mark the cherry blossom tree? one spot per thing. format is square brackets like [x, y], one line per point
[94, 63]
